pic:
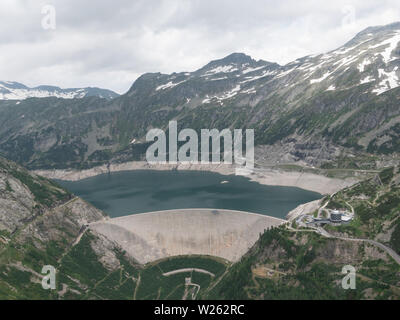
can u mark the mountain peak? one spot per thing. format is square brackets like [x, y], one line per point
[236, 57]
[234, 61]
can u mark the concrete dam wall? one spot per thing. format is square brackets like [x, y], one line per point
[151, 236]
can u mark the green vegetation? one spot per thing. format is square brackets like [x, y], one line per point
[212, 264]
[376, 202]
[82, 264]
[81, 268]
[46, 238]
[154, 285]
[44, 193]
[307, 266]
[386, 175]
[395, 238]
[8, 187]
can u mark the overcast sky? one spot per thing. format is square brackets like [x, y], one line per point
[110, 43]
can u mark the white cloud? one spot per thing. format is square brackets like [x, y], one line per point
[110, 43]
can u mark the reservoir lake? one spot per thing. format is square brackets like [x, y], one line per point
[129, 192]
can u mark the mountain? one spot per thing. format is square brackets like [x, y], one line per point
[297, 263]
[289, 265]
[18, 91]
[43, 224]
[334, 109]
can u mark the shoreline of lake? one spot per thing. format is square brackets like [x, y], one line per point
[307, 181]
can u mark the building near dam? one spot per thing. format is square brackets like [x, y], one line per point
[336, 216]
[152, 236]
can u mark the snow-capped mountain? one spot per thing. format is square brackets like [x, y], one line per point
[17, 91]
[370, 61]
[310, 109]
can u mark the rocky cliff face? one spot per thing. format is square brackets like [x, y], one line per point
[24, 196]
[42, 224]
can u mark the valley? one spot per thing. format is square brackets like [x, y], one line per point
[77, 193]
[94, 262]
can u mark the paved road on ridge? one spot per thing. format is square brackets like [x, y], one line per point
[390, 251]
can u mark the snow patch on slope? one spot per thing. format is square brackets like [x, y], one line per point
[221, 69]
[391, 44]
[250, 69]
[264, 74]
[224, 96]
[367, 80]
[326, 75]
[362, 65]
[169, 85]
[390, 81]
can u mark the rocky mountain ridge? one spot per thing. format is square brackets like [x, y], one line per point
[10, 90]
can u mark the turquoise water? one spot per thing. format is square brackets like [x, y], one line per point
[128, 192]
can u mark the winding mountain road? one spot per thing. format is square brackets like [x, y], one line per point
[326, 234]
[390, 251]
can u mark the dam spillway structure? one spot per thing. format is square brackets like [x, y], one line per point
[215, 232]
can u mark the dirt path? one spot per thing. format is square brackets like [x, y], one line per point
[77, 240]
[137, 287]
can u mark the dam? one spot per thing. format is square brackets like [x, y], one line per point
[155, 235]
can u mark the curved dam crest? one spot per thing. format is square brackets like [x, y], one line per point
[151, 236]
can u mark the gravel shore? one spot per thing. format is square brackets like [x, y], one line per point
[307, 181]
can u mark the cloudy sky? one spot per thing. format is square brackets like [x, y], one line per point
[110, 43]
